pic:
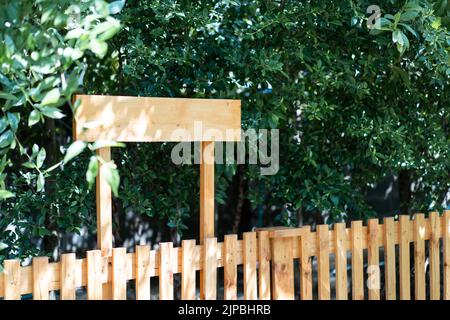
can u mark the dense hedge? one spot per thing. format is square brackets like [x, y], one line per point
[354, 106]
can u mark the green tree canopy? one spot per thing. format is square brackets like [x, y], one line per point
[354, 105]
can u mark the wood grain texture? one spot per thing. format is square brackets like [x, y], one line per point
[143, 272]
[210, 269]
[94, 264]
[207, 220]
[373, 257]
[188, 270]
[165, 271]
[104, 215]
[282, 269]
[104, 205]
[419, 256]
[68, 285]
[230, 266]
[11, 279]
[119, 268]
[389, 258]
[323, 262]
[264, 256]
[340, 261]
[145, 119]
[446, 255]
[405, 227]
[70, 273]
[41, 278]
[250, 257]
[305, 265]
[435, 225]
[207, 191]
[357, 261]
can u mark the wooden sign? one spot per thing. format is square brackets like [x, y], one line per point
[145, 119]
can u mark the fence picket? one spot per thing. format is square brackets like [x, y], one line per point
[165, 271]
[270, 250]
[250, 281]
[11, 279]
[210, 268]
[282, 269]
[119, 267]
[305, 265]
[68, 264]
[94, 263]
[404, 254]
[373, 257]
[446, 244]
[188, 270]
[419, 256]
[142, 272]
[389, 258]
[230, 267]
[340, 258]
[40, 278]
[434, 256]
[264, 265]
[357, 261]
[323, 257]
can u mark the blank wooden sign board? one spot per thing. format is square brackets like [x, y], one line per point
[146, 119]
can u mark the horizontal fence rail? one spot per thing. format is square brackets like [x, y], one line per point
[404, 259]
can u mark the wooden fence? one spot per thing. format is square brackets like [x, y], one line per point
[411, 258]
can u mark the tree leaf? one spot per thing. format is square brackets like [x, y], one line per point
[35, 149]
[411, 30]
[29, 165]
[397, 37]
[112, 177]
[51, 97]
[404, 76]
[409, 15]
[107, 30]
[3, 124]
[40, 183]
[7, 96]
[41, 158]
[75, 149]
[92, 170]
[436, 24]
[34, 117]
[5, 194]
[102, 144]
[98, 47]
[13, 119]
[405, 40]
[74, 33]
[52, 112]
[116, 6]
[6, 138]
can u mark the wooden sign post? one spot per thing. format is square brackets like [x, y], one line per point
[145, 119]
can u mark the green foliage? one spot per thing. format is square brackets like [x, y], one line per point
[157, 189]
[38, 215]
[46, 46]
[41, 56]
[354, 105]
[2, 247]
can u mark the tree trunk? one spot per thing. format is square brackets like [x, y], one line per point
[240, 199]
[50, 243]
[404, 191]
